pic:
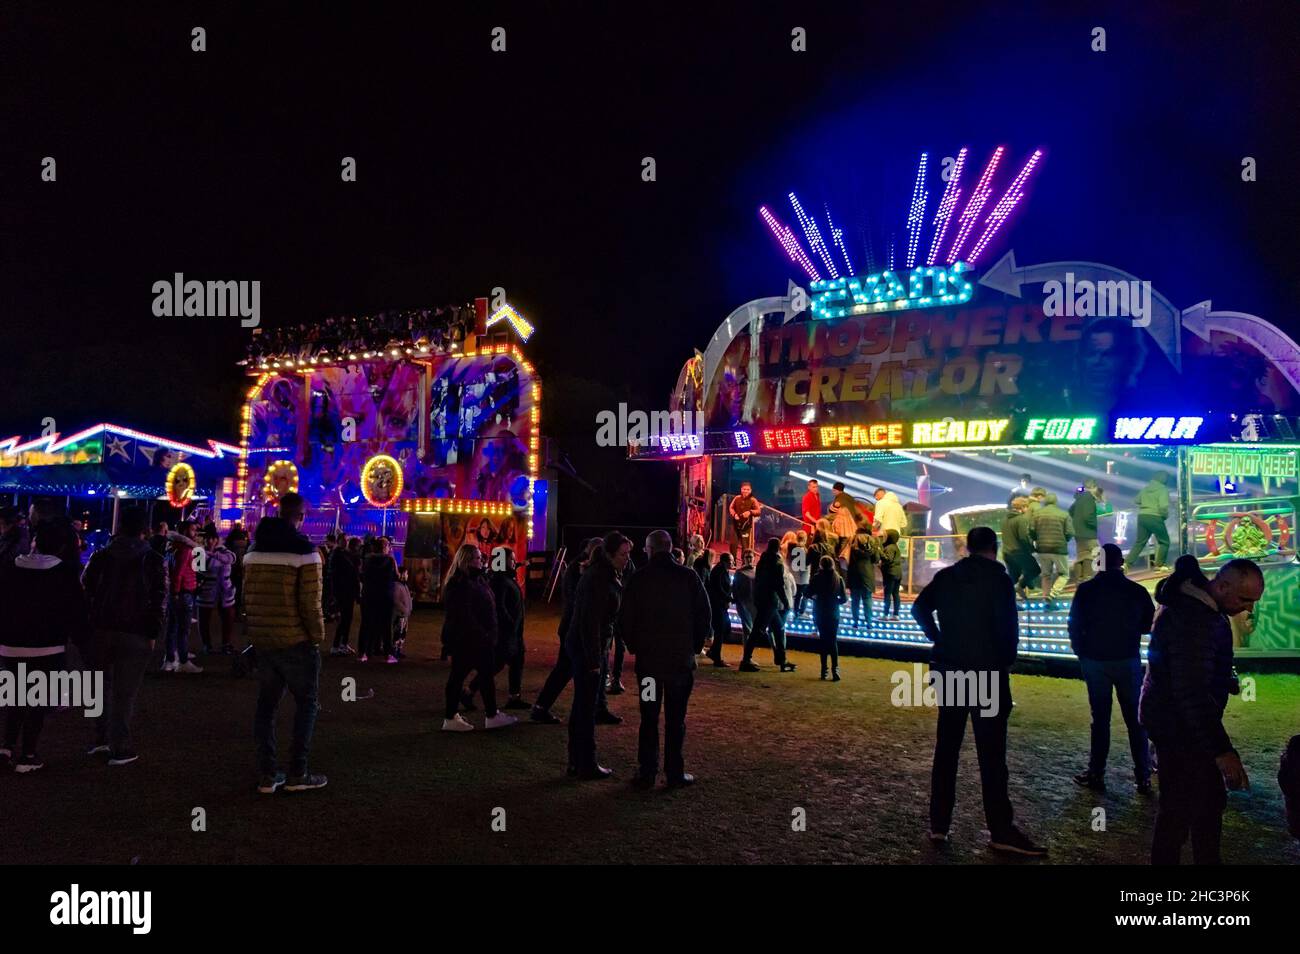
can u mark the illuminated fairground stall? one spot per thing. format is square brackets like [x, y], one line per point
[95, 469]
[944, 382]
[422, 426]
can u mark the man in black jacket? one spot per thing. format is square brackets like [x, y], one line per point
[665, 621]
[126, 588]
[1108, 616]
[977, 634]
[589, 636]
[562, 672]
[345, 574]
[510, 623]
[718, 590]
[771, 603]
[1189, 678]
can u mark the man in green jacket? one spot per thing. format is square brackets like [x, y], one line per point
[1051, 533]
[1083, 519]
[1018, 547]
[1152, 512]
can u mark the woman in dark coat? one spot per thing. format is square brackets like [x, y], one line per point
[718, 589]
[378, 577]
[470, 633]
[827, 592]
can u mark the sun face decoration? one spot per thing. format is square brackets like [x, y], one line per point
[280, 478]
[180, 484]
[381, 481]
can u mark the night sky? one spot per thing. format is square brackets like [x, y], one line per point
[523, 170]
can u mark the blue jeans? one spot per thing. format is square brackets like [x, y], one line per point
[298, 670]
[1125, 677]
[180, 612]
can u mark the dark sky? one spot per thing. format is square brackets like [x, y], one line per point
[522, 169]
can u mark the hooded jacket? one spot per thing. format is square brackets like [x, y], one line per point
[889, 513]
[1108, 616]
[1016, 533]
[1051, 527]
[978, 625]
[595, 614]
[45, 608]
[282, 588]
[769, 583]
[864, 554]
[1153, 499]
[718, 591]
[827, 593]
[1083, 514]
[13, 543]
[126, 587]
[665, 617]
[891, 557]
[1189, 672]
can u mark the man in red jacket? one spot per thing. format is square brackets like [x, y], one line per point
[811, 508]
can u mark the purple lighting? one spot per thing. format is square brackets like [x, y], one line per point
[1006, 205]
[789, 243]
[973, 208]
[951, 195]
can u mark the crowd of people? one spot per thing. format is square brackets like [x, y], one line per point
[143, 589]
[438, 329]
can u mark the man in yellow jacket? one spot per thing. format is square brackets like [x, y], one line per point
[282, 597]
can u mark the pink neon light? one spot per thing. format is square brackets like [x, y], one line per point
[951, 194]
[813, 235]
[973, 208]
[789, 243]
[1006, 205]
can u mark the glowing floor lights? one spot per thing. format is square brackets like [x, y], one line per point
[1043, 632]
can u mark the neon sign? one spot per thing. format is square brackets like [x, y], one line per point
[958, 432]
[862, 435]
[1157, 428]
[741, 438]
[786, 438]
[1060, 429]
[931, 286]
[677, 443]
[1278, 465]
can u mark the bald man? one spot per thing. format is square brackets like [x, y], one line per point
[665, 620]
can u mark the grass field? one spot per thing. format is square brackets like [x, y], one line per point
[762, 745]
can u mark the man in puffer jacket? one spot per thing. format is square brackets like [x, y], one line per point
[1189, 678]
[1051, 536]
[282, 597]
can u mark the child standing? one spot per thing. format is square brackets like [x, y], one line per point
[891, 573]
[827, 593]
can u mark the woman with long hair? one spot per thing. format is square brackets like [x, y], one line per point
[469, 633]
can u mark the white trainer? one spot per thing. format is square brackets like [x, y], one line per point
[456, 724]
[500, 721]
[188, 667]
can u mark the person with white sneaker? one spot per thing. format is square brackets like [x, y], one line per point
[469, 632]
[45, 609]
[282, 597]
